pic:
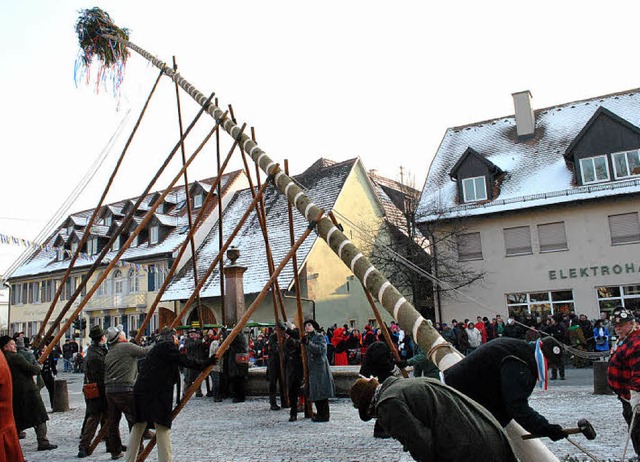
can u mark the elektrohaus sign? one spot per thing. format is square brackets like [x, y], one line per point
[594, 271]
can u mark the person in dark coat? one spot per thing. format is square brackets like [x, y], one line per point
[28, 408]
[293, 368]
[321, 386]
[423, 414]
[273, 371]
[153, 392]
[49, 372]
[96, 408]
[501, 375]
[10, 449]
[236, 365]
[195, 348]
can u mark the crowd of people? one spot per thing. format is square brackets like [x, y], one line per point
[141, 381]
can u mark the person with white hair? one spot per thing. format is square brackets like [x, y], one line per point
[121, 370]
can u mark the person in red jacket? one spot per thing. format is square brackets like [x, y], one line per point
[482, 328]
[10, 450]
[339, 341]
[624, 371]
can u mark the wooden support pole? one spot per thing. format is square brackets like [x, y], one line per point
[232, 335]
[124, 247]
[220, 230]
[94, 215]
[194, 259]
[308, 409]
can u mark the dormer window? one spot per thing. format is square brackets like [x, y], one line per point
[626, 164]
[594, 169]
[70, 229]
[108, 220]
[92, 245]
[197, 201]
[116, 244]
[474, 189]
[134, 242]
[154, 233]
[74, 247]
[60, 254]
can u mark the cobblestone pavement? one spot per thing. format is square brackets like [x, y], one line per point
[208, 431]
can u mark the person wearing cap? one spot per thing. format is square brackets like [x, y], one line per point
[501, 375]
[28, 408]
[423, 414]
[10, 449]
[321, 386]
[121, 370]
[624, 370]
[194, 347]
[96, 408]
[153, 392]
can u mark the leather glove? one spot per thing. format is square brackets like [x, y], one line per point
[305, 340]
[402, 364]
[634, 401]
[555, 432]
[213, 360]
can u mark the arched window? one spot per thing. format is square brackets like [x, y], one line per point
[118, 283]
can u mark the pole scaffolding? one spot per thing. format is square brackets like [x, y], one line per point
[437, 348]
[235, 331]
[107, 248]
[40, 338]
[126, 245]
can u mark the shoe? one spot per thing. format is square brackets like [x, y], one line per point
[199, 395]
[117, 456]
[286, 406]
[82, 454]
[237, 400]
[209, 395]
[319, 419]
[553, 378]
[293, 418]
[22, 435]
[275, 407]
[561, 378]
[47, 447]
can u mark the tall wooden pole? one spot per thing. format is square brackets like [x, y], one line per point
[194, 258]
[220, 229]
[308, 409]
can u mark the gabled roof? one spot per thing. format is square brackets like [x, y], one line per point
[44, 261]
[166, 220]
[470, 152]
[536, 172]
[323, 181]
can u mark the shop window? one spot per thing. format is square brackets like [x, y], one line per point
[594, 169]
[552, 237]
[469, 247]
[611, 296]
[517, 241]
[624, 228]
[543, 303]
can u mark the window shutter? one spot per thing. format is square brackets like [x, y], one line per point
[624, 228]
[517, 240]
[469, 247]
[552, 236]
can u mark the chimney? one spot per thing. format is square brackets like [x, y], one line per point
[525, 120]
[234, 288]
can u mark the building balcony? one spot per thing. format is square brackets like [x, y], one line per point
[109, 301]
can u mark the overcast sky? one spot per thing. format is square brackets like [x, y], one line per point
[334, 79]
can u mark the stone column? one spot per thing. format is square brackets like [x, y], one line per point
[234, 305]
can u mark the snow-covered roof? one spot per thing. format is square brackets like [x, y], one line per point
[43, 261]
[536, 172]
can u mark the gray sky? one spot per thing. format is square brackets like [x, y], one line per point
[337, 79]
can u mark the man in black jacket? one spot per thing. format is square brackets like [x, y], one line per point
[153, 392]
[500, 375]
[96, 411]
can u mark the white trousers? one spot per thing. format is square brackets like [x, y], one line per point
[163, 442]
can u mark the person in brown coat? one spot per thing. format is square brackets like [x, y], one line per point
[10, 450]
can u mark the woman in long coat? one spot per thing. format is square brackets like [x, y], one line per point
[321, 386]
[10, 450]
[153, 392]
